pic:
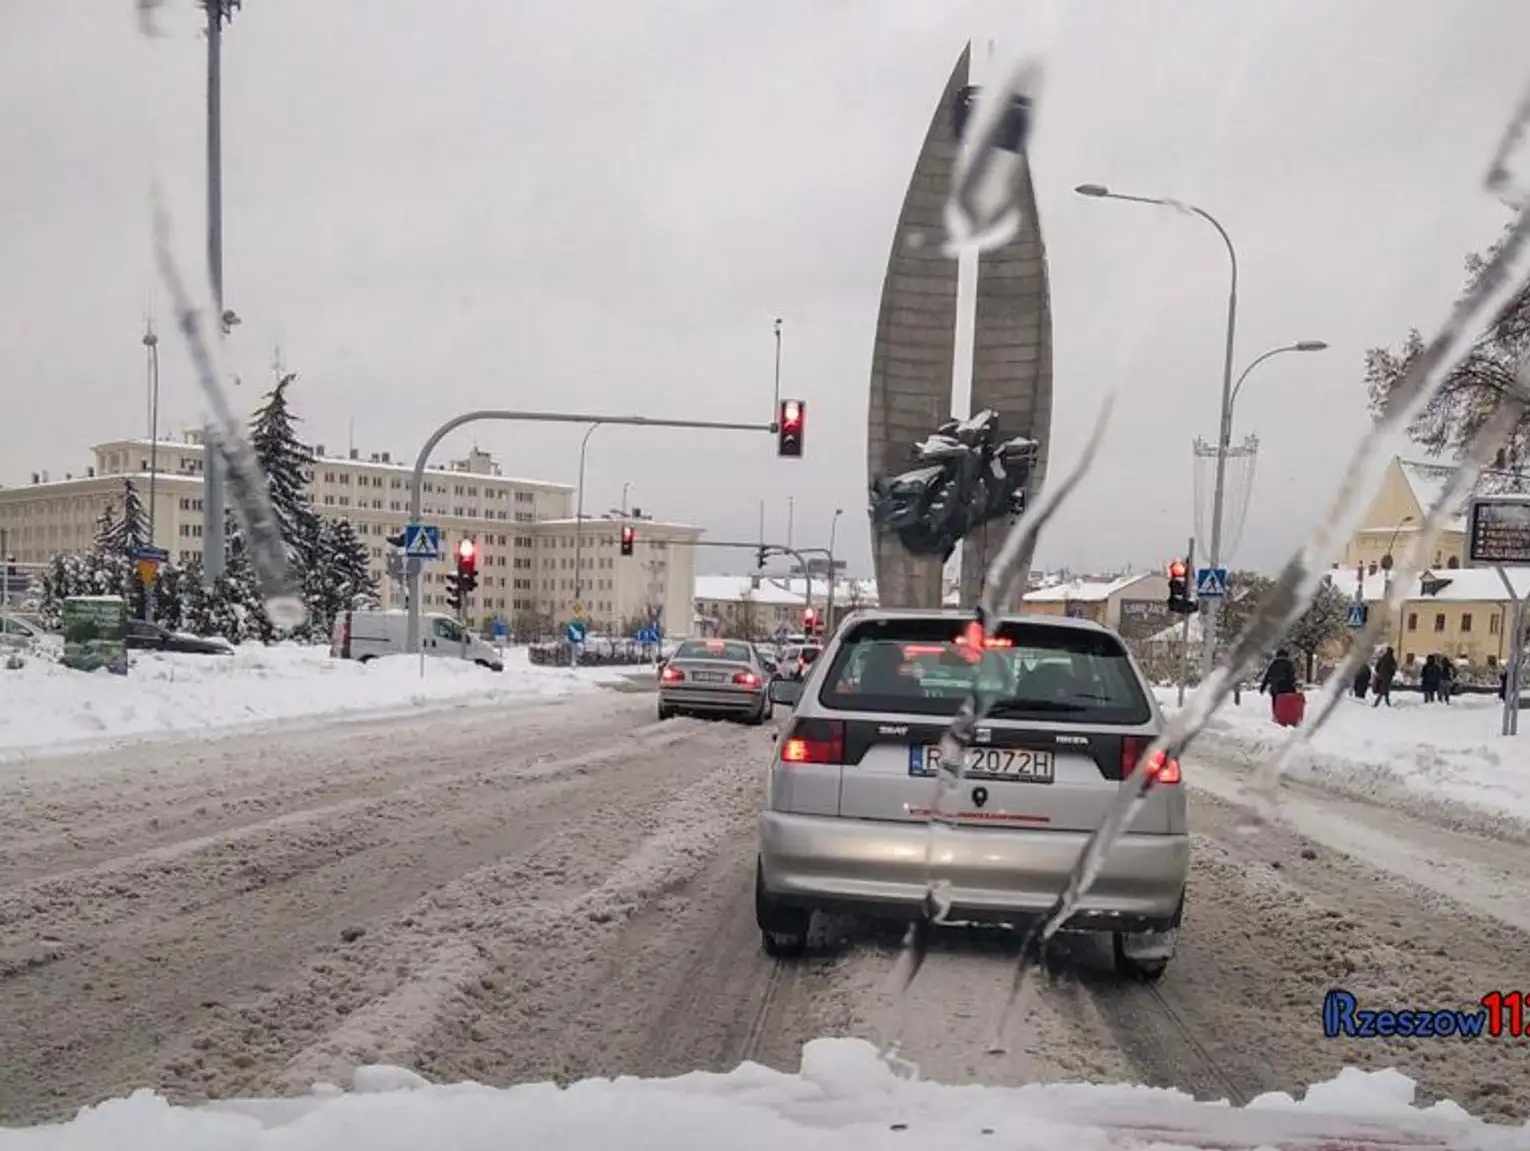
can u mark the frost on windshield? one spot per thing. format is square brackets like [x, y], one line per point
[997, 145]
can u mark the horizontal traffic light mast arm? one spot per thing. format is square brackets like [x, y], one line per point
[796, 553]
[417, 481]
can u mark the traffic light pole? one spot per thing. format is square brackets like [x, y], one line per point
[417, 481]
[1184, 637]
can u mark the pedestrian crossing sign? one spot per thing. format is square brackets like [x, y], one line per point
[1357, 615]
[1211, 583]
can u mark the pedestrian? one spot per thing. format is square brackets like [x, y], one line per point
[1362, 683]
[1447, 679]
[1279, 679]
[1386, 672]
[1429, 679]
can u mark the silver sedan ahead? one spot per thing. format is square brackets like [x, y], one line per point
[715, 677]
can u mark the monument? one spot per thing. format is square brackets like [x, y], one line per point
[913, 356]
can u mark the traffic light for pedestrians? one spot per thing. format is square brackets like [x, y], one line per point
[1179, 588]
[629, 536]
[467, 567]
[789, 429]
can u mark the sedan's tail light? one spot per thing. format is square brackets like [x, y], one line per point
[814, 741]
[672, 675]
[1163, 769]
[746, 679]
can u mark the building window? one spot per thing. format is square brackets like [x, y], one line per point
[1413, 621]
[1466, 621]
[1439, 621]
[1493, 622]
[1492, 661]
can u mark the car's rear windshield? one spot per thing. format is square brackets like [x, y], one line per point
[732, 651]
[1034, 671]
[809, 654]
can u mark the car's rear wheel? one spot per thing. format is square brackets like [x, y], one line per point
[366, 659]
[783, 930]
[666, 712]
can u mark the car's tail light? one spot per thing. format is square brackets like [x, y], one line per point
[746, 679]
[672, 675]
[1162, 770]
[814, 741]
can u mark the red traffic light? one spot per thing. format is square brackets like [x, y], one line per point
[791, 414]
[627, 535]
[791, 424]
[467, 555]
[1177, 569]
[808, 616]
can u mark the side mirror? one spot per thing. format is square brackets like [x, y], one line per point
[785, 691]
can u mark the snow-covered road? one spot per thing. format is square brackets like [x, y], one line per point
[564, 890]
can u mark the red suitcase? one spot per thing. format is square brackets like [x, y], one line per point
[1290, 708]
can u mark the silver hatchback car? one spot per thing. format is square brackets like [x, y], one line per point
[852, 782]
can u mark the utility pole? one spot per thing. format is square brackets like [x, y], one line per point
[214, 545]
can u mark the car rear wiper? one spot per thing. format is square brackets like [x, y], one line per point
[1019, 706]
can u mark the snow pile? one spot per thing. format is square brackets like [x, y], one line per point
[1433, 753]
[44, 704]
[844, 1097]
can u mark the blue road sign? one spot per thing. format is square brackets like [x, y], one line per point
[647, 635]
[1357, 615]
[500, 629]
[1211, 583]
[422, 542]
[156, 555]
[574, 632]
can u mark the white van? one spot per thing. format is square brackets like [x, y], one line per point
[365, 635]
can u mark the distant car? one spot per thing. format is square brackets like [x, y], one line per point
[19, 633]
[853, 779]
[797, 658]
[144, 636]
[715, 677]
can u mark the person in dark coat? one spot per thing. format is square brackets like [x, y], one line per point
[1429, 679]
[1362, 684]
[1386, 672]
[1447, 679]
[1279, 677]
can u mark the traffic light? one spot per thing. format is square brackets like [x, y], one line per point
[454, 594]
[398, 540]
[759, 561]
[629, 536]
[1179, 589]
[809, 621]
[467, 567]
[789, 429]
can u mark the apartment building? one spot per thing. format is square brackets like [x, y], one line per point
[523, 527]
[657, 580]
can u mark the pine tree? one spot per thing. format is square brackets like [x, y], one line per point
[64, 577]
[284, 458]
[169, 590]
[237, 595]
[353, 569]
[196, 604]
[106, 529]
[123, 535]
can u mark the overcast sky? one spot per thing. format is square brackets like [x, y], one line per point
[601, 205]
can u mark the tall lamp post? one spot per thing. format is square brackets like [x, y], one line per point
[151, 354]
[829, 609]
[579, 515]
[1299, 346]
[1224, 429]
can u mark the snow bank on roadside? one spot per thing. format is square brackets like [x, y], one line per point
[844, 1097]
[1435, 753]
[44, 705]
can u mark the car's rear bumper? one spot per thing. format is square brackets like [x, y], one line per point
[701, 699]
[878, 868]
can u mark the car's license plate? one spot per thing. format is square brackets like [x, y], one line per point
[709, 677]
[1019, 764]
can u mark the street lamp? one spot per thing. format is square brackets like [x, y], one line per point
[1224, 430]
[1299, 346]
[833, 527]
[1386, 570]
[579, 515]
